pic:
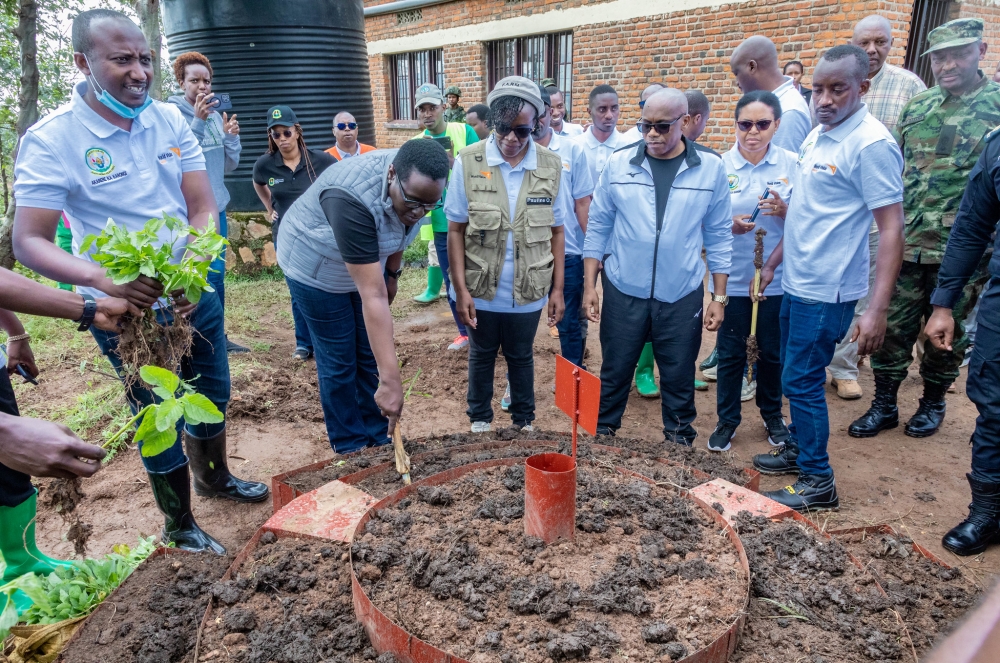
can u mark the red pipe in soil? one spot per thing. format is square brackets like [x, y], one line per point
[550, 497]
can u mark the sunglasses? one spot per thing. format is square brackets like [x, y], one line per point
[642, 104]
[662, 128]
[347, 125]
[521, 132]
[417, 204]
[746, 125]
[276, 134]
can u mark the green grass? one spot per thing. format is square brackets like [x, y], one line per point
[100, 402]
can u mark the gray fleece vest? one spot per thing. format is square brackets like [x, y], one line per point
[307, 247]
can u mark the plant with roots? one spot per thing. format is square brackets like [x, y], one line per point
[128, 255]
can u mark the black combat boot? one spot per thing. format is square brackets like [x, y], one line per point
[211, 471]
[808, 493]
[172, 491]
[883, 414]
[781, 460]
[975, 533]
[930, 414]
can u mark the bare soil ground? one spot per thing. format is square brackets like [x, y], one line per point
[917, 486]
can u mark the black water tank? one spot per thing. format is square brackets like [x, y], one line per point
[308, 54]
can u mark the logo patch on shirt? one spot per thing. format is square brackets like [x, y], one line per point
[537, 201]
[802, 152]
[169, 154]
[482, 175]
[734, 181]
[99, 161]
[780, 180]
[825, 168]
[273, 181]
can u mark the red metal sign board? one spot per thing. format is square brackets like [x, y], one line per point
[578, 394]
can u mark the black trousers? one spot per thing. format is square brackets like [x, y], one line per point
[675, 331]
[732, 345]
[515, 333]
[983, 388]
[15, 487]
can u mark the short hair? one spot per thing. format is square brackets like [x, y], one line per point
[425, 156]
[83, 41]
[842, 51]
[552, 89]
[762, 96]
[698, 103]
[341, 112]
[482, 111]
[790, 63]
[186, 59]
[604, 88]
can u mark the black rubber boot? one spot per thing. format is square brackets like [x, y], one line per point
[781, 460]
[172, 491]
[808, 493]
[930, 415]
[212, 477]
[883, 414]
[982, 527]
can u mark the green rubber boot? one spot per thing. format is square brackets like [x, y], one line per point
[645, 383]
[434, 281]
[20, 553]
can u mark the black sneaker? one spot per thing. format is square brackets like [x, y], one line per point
[302, 354]
[722, 437]
[777, 431]
[808, 493]
[782, 460]
[235, 348]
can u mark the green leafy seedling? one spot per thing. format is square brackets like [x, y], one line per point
[158, 421]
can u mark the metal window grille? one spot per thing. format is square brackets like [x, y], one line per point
[534, 57]
[409, 71]
[927, 15]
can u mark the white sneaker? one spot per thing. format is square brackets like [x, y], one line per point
[505, 401]
[748, 391]
[711, 374]
[480, 427]
[527, 428]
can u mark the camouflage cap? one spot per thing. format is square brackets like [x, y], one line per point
[959, 32]
[453, 89]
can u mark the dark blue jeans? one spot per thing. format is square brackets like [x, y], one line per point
[218, 277]
[302, 339]
[675, 330]
[570, 327]
[515, 333]
[810, 331]
[732, 346]
[348, 374]
[206, 367]
[441, 246]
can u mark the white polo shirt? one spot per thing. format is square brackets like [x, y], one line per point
[633, 135]
[796, 120]
[576, 178]
[569, 130]
[456, 208]
[747, 183]
[75, 160]
[597, 152]
[841, 175]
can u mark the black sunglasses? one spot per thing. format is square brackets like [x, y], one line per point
[662, 128]
[276, 134]
[416, 204]
[747, 125]
[521, 132]
[347, 125]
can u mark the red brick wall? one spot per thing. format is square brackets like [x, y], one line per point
[990, 13]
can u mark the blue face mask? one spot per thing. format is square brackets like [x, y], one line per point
[117, 107]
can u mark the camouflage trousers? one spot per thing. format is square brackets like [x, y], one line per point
[909, 309]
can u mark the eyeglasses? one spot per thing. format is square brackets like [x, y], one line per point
[521, 132]
[762, 125]
[276, 133]
[347, 125]
[662, 128]
[417, 204]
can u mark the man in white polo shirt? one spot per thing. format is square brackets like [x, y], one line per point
[113, 152]
[849, 170]
[755, 66]
[602, 137]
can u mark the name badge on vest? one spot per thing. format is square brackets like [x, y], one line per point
[538, 201]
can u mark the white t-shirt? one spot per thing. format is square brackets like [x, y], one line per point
[841, 175]
[456, 208]
[75, 160]
[746, 184]
[796, 121]
[569, 130]
[633, 135]
[576, 178]
[597, 152]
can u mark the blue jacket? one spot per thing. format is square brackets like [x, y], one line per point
[647, 259]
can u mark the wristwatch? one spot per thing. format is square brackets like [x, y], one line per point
[390, 274]
[722, 299]
[89, 311]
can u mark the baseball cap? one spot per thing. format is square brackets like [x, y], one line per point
[544, 94]
[521, 87]
[281, 115]
[959, 32]
[428, 93]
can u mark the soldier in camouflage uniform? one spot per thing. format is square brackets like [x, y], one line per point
[453, 112]
[941, 132]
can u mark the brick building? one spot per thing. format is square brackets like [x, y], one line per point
[626, 43]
